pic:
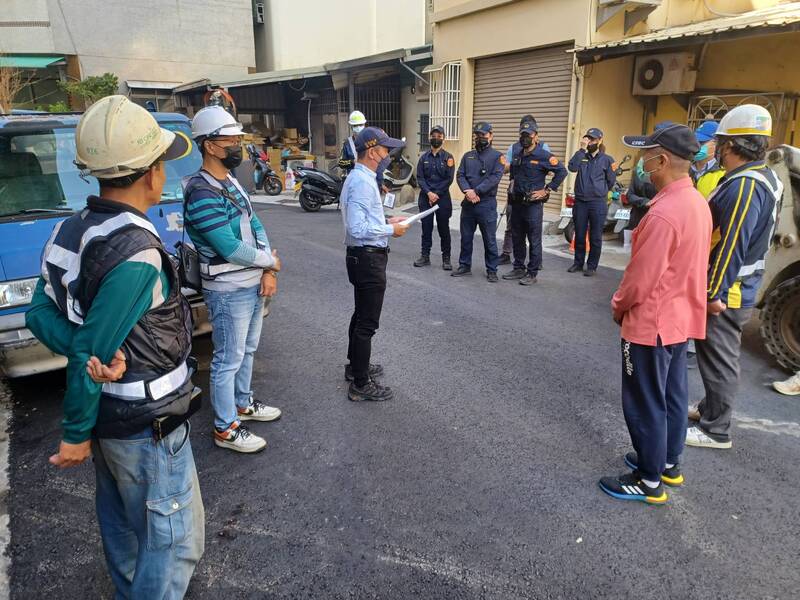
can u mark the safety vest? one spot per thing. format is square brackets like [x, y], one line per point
[706, 183]
[81, 251]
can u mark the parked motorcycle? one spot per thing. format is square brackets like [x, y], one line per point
[264, 176]
[399, 173]
[316, 188]
[615, 207]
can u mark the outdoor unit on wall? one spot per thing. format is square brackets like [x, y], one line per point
[662, 74]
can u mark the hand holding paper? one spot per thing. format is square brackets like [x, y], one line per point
[420, 216]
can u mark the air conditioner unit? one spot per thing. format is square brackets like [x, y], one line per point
[663, 74]
[259, 13]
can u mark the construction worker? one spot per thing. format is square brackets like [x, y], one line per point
[529, 169]
[705, 170]
[478, 175]
[743, 207]
[596, 177]
[239, 272]
[347, 157]
[659, 305]
[435, 171]
[508, 243]
[110, 300]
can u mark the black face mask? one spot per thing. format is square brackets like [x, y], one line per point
[592, 148]
[481, 144]
[526, 141]
[233, 157]
[436, 143]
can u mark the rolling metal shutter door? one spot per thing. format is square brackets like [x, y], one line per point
[534, 82]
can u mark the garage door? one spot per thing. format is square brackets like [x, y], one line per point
[535, 82]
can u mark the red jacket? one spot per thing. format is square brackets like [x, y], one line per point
[663, 291]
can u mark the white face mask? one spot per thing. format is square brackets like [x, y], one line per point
[357, 128]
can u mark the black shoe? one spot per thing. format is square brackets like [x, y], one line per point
[589, 273]
[461, 271]
[373, 372]
[528, 279]
[423, 261]
[515, 274]
[575, 269]
[491, 276]
[446, 263]
[631, 487]
[505, 259]
[671, 476]
[372, 392]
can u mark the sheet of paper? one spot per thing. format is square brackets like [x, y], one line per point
[422, 215]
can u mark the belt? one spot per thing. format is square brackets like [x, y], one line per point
[369, 249]
[158, 388]
[163, 426]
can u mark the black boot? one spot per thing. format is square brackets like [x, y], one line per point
[505, 259]
[446, 263]
[423, 261]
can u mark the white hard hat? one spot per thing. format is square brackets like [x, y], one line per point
[214, 121]
[116, 137]
[747, 119]
[357, 118]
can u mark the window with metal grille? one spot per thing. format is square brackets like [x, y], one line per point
[424, 132]
[445, 98]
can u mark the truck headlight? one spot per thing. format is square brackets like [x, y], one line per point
[17, 293]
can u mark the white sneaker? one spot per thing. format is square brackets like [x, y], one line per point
[697, 437]
[258, 412]
[790, 387]
[239, 439]
[694, 412]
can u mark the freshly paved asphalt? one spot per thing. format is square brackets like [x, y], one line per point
[478, 481]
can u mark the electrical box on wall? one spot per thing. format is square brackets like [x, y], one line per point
[662, 74]
[258, 13]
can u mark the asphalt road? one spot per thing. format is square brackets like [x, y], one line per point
[478, 481]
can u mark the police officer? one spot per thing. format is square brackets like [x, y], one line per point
[529, 168]
[435, 172]
[478, 175]
[109, 292]
[596, 177]
[508, 246]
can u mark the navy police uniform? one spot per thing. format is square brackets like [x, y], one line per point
[435, 173]
[481, 172]
[595, 179]
[529, 171]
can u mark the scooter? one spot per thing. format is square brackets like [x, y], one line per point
[399, 173]
[619, 212]
[263, 175]
[316, 188]
[567, 225]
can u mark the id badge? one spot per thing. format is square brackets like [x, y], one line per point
[388, 200]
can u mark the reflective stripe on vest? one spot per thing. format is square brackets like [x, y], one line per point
[61, 259]
[158, 388]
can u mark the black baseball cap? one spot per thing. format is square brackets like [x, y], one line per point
[527, 119]
[369, 137]
[437, 129]
[594, 133]
[482, 127]
[529, 127]
[678, 139]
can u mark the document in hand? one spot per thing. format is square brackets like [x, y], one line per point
[422, 215]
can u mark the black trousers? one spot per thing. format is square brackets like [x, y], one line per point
[442, 224]
[591, 215]
[367, 272]
[526, 225]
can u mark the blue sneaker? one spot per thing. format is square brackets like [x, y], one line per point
[631, 487]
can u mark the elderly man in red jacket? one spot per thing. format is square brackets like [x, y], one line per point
[660, 304]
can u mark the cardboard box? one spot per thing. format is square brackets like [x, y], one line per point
[290, 133]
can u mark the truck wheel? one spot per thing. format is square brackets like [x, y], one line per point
[780, 324]
[308, 202]
[569, 232]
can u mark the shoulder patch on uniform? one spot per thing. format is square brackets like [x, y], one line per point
[553, 161]
[503, 160]
[450, 162]
[614, 166]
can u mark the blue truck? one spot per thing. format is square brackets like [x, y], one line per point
[39, 187]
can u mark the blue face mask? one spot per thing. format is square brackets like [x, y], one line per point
[640, 172]
[703, 154]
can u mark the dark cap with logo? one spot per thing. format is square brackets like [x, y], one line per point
[437, 129]
[369, 137]
[678, 139]
[482, 127]
[528, 127]
[594, 133]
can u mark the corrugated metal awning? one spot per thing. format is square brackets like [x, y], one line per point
[273, 77]
[139, 84]
[777, 19]
[30, 61]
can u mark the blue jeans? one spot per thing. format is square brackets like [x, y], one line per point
[150, 513]
[591, 215]
[236, 320]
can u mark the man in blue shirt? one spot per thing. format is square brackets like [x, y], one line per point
[367, 233]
